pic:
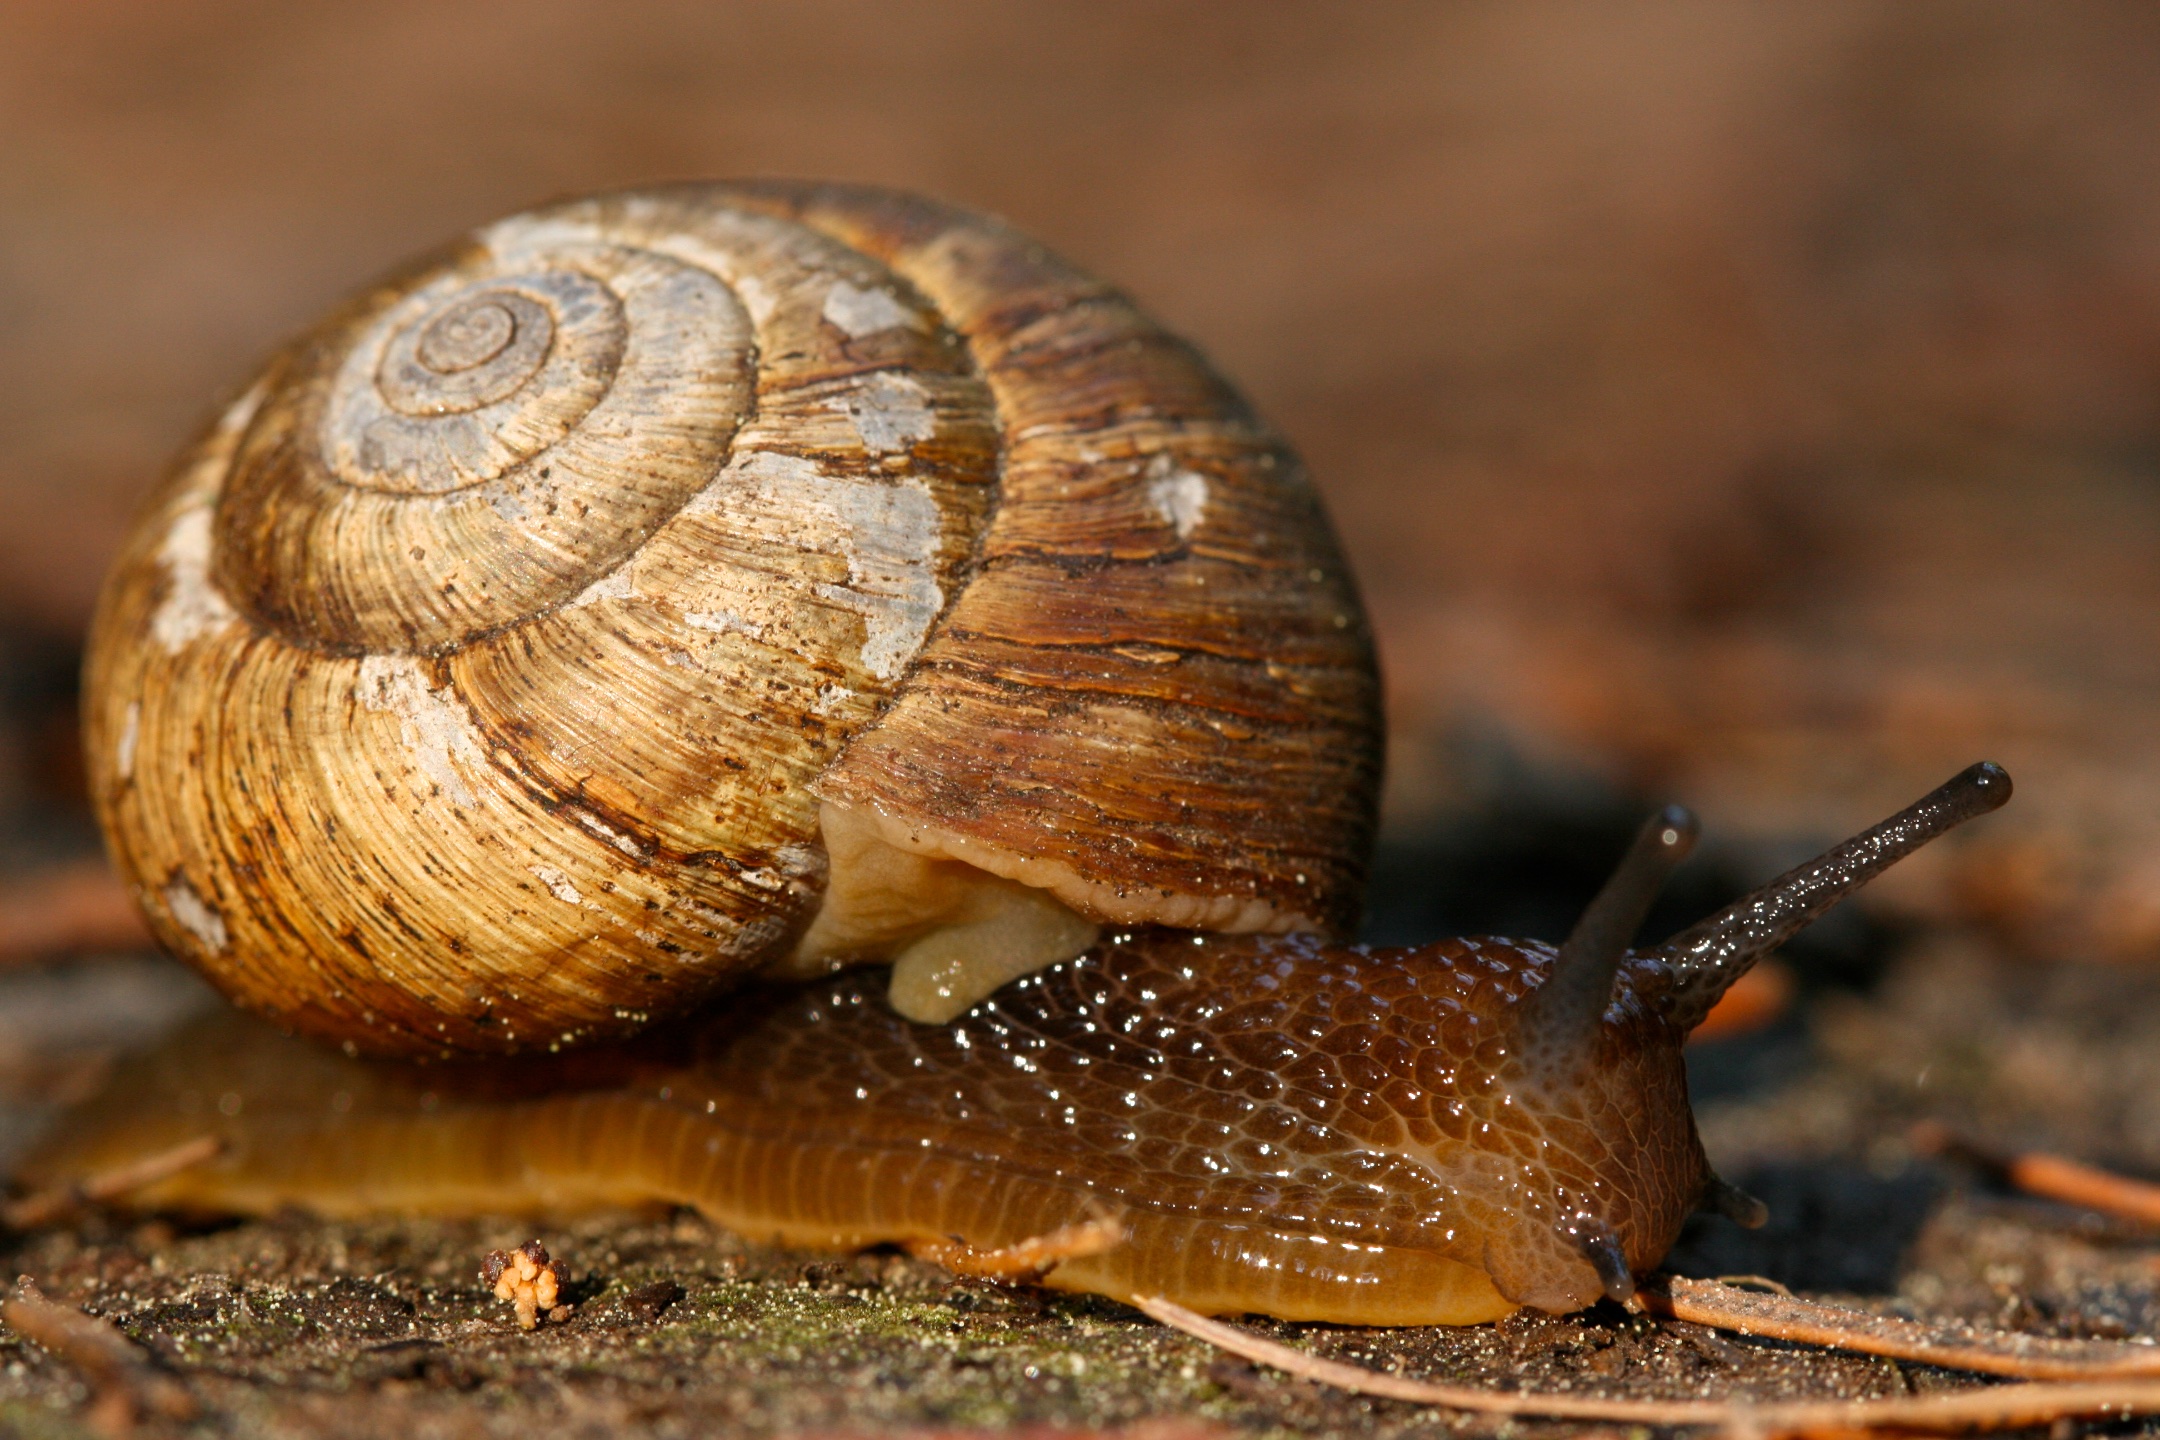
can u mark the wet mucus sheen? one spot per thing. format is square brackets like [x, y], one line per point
[1429, 1135]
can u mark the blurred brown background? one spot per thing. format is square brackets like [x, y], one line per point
[1754, 403]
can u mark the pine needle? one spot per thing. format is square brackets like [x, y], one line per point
[125, 1383]
[2051, 1177]
[42, 1207]
[1981, 1408]
[1952, 1346]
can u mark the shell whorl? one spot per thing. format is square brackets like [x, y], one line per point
[472, 451]
[475, 682]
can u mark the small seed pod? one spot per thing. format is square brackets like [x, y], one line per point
[661, 587]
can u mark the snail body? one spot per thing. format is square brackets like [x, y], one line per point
[680, 588]
[656, 589]
[1431, 1135]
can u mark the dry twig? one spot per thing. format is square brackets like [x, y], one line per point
[42, 1207]
[2051, 1177]
[1980, 1408]
[124, 1383]
[1955, 1347]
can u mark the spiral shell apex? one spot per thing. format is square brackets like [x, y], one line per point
[543, 641]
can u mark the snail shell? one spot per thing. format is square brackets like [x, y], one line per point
[663, 586]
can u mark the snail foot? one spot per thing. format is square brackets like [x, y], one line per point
[1029, 1259]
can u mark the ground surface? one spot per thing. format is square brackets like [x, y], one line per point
[294, 1325]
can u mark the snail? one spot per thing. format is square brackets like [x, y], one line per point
[721, 586]
[664, 587]
[1434, 1135]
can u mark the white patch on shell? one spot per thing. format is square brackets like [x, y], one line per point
[828, 696]
[434, 728]
[890, 412]
[861, 312]
[757, 298]
[130, 734]
[192, 607]
[558, 884]
[505, 501]
[608, 833]
[890, 532]
[615, 585]
[723, 622]
[195, 915]
[1179, 496]
[892, 576]
[519, 236]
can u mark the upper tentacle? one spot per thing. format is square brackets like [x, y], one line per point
[1706, 958]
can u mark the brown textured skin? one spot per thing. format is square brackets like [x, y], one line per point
[430, 767]
[1308, 1131]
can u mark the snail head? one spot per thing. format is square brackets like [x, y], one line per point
[1592, 1141]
